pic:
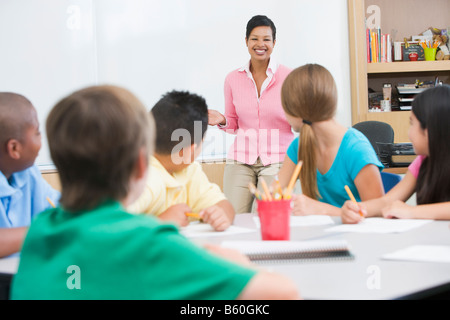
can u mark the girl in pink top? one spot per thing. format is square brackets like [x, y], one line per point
[253, 112]
[429, 174]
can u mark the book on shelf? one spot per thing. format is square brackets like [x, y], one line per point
[379, 46]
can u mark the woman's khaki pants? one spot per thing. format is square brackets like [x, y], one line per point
[236, 178]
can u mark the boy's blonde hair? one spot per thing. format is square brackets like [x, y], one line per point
[309, 92]
[95, 136]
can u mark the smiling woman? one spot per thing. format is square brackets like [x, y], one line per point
[253, 112]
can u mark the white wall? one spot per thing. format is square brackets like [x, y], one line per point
[153, 46]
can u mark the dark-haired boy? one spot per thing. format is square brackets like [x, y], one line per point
[178, 185]
[23, 191]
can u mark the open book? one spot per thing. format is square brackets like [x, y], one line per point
[285, 251]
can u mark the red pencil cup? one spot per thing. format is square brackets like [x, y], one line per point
[274, 217]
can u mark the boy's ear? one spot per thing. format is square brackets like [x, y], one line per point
[14, 148]
[142, 164]
[187, 153]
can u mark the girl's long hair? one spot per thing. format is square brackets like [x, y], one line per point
[309, 93]
[432, 109]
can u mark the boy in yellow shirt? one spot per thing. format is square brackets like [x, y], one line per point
[177, 185]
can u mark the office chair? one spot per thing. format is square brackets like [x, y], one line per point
[389, 180]
[377, 131]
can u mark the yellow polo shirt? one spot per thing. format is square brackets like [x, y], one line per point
[163, 190]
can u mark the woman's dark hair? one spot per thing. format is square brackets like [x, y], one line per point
[260, 21]
[432, 110]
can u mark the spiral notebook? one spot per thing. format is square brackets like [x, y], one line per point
[292, 251]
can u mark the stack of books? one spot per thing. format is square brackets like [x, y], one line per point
[379, 46]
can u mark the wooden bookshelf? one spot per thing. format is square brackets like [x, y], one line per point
[400, 18]
[408, 66]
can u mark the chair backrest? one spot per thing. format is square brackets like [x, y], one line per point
[389, 180]
[376, 131]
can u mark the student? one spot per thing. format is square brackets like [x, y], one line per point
[89, 247]
[428, 175]
[177, 184]
[333, 156]
[23, 191]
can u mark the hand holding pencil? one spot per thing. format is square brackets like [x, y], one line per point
[351, 211]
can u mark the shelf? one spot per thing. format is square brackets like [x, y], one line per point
[406, 17]
[408, 66]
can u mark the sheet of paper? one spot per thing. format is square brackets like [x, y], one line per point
[9, 265]
[197, 229]
[380, 225]
[304, 221]
[421, 253]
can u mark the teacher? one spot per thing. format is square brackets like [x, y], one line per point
[253, 112]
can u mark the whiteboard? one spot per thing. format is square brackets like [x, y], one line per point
[47, 51]
[154, 46]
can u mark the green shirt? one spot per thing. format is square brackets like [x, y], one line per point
[108, 253]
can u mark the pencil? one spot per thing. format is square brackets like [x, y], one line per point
[294, 177]
[278, 193]
[266, 189]
[192, 215]
[254, 191]
[51, 202]
[350, 194]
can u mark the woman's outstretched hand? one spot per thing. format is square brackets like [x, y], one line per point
[216, 118]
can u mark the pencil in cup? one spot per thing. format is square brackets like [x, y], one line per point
[350, 194]
[266, 189]
[298, 167]
[254, 191]
[278, 193]
[264, 196]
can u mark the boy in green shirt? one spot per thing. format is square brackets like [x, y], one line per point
[100, 139]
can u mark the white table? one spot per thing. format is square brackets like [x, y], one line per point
[367, 276]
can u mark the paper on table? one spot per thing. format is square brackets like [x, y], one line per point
[380, 225]
[197, 229]
[421, 253]
[304, 221]
[9, 265]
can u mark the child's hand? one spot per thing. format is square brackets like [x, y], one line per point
[177, 214]
[303, 205]
[229, 254]
[350, 212]
[398, 209]
[216, 217]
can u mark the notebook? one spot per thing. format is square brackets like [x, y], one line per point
[292, 251]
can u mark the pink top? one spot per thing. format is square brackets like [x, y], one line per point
[414, 167]
[260, 125]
